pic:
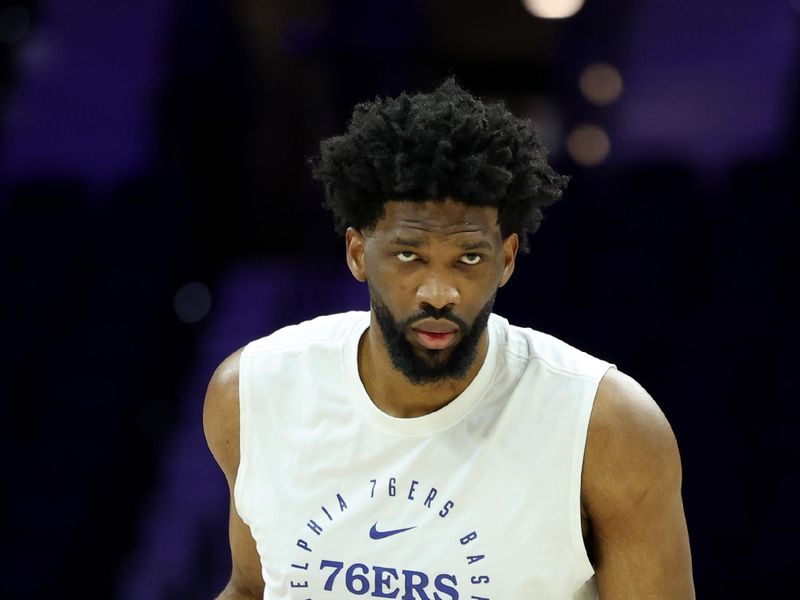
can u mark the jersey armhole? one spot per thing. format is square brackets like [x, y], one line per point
[579, 451]
[240, 483]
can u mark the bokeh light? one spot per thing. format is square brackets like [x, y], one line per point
[796, 5]
[553, 9]
[192, 302]
[600, 83]
[14, 24]
[588, 145]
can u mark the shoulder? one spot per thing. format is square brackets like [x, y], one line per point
[221, 408]
[556, 354]
[327, 328]
[631, 449]
[221, 414]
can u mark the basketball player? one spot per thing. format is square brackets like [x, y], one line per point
[428, 449]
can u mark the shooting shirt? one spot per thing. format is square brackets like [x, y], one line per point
[477, 500]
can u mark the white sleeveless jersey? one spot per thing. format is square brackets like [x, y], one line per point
[478, 500]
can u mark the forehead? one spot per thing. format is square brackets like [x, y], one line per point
[437, 217]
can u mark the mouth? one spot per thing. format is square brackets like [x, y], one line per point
[435, 340]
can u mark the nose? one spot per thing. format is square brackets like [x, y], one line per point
[437, 292]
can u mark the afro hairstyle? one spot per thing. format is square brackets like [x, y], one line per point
[433, 146]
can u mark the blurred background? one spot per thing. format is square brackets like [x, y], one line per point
[156, 213]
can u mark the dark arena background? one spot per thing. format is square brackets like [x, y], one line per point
[156, 212]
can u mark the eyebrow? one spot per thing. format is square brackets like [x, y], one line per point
[476, 245]
[406, 242]
[467, 245]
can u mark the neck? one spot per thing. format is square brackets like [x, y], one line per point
[394, 393]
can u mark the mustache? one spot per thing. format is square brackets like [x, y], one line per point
[431, 312]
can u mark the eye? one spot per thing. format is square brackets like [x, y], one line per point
[471, 259]
[406, 256]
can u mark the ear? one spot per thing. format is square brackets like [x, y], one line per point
[510, 248]
[354, 241]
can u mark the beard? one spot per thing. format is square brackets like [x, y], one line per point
[421, 365]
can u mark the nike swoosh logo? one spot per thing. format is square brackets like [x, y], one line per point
[379, 535]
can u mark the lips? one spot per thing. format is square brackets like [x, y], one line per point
[435, 340]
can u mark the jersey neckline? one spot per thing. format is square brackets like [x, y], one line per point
[440, 419]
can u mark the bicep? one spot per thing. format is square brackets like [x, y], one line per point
[645, 552]
[632, 479]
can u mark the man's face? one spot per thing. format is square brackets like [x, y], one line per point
[433, 270]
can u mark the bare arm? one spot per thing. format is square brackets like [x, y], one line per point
[631, 490]
[221, 426]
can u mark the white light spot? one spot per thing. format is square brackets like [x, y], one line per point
[192, 302]
[601, 83]
[588, 145]
[14, 24]
[553, 9]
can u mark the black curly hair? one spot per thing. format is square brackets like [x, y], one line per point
[432, 146]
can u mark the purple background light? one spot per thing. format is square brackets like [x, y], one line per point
[708, 84]
[88, 75]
